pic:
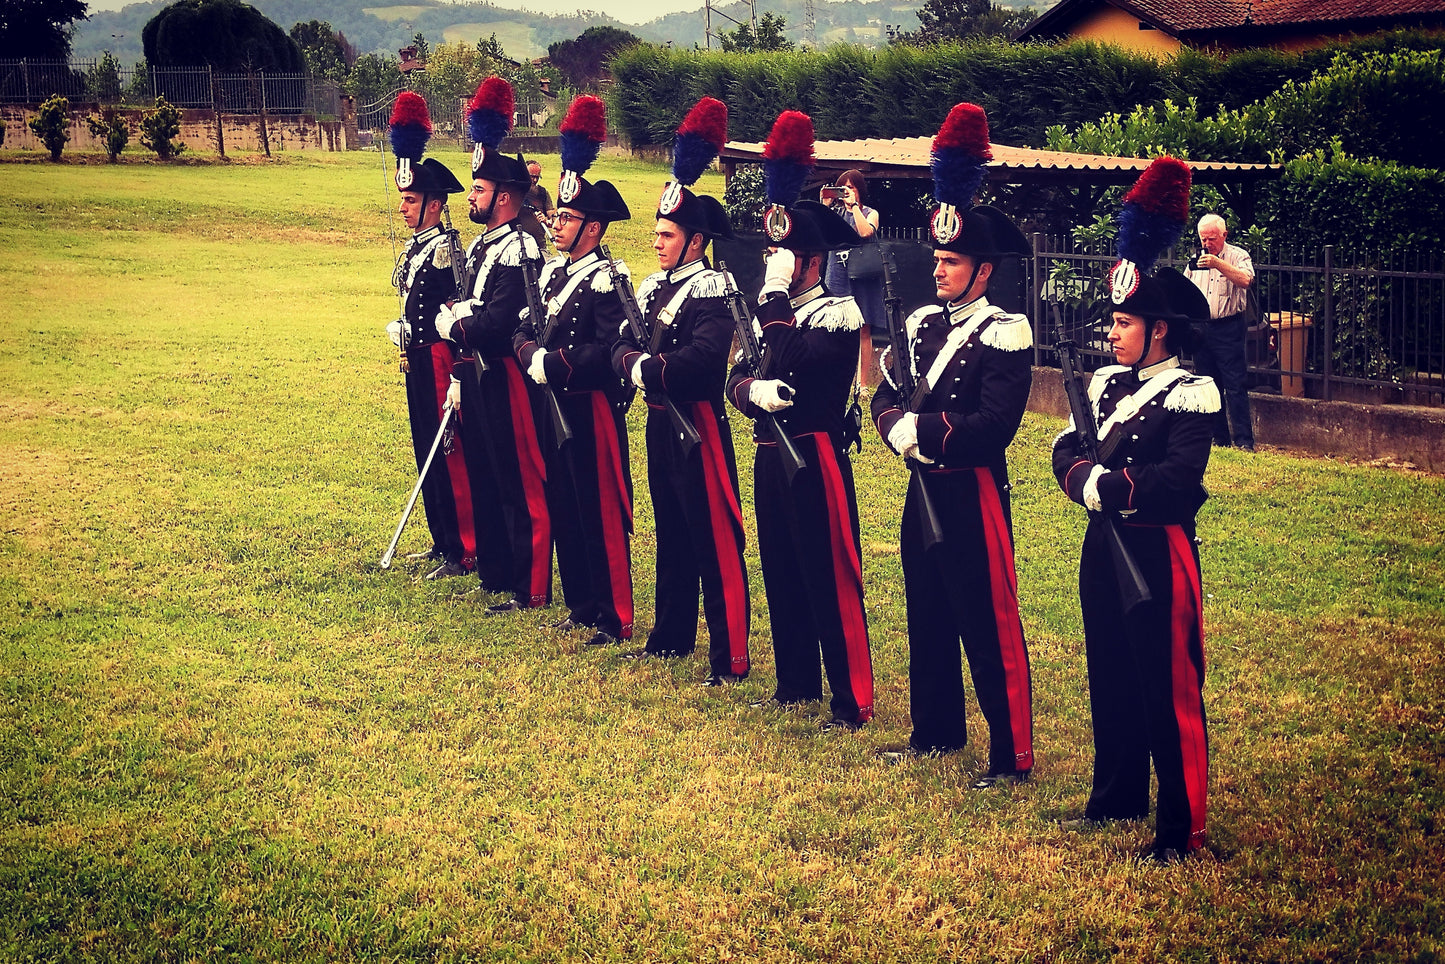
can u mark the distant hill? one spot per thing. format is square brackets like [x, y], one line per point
[383, 28]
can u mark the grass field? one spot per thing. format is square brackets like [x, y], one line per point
[226, 734]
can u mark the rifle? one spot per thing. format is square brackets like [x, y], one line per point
[459, 270]
[544, 327]
[1133, 590]
[911, 396]
[390, 552]
[682, 427]
[753, 358]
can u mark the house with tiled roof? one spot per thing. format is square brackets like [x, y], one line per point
[1163, 26]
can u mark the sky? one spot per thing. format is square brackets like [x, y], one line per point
[628, 11]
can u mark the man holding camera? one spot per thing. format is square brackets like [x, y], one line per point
[1224, 273]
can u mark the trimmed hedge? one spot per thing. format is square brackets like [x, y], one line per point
[900, 91]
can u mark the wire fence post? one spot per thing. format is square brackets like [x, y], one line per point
[1327, 389]
[1036, 297]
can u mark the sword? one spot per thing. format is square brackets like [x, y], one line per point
[390, 552]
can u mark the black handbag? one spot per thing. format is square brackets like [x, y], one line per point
[865, 261]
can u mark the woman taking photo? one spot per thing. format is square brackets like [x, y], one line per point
[865, 284]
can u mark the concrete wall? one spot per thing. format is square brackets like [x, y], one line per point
[287, 132]
[1399, 433]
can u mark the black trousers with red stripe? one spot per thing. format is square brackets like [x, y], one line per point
[446, 491]
[589, 498]
[809, 546]
[964, 589]
[509, 495]
[1146, 681]
[699, 527]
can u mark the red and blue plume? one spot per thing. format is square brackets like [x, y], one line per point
[489, 115]
[700, 139]
[1154, 212]
[410, 127]
[788, 156]
[583, 131]
[960, 153]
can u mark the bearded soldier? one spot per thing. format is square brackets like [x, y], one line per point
[682, 362]
[808, 539]
[425, 278]
[508, 484]
[973, 367]
[569, 353]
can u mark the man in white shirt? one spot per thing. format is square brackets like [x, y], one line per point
[1224, 273]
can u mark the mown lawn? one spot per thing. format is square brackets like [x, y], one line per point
[227, 734]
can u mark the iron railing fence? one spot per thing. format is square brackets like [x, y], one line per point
[1332, 324]
[191, 88]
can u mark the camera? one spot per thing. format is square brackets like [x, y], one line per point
[830, 194]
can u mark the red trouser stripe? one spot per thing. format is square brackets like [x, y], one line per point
[534, 478]
[1186, 613]
[1004, 590]
[847, 578]
[441, 358]
[616, 507]
[725, 513]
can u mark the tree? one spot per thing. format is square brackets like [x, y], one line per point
[453, 73]
[945, 20]
[326, 51]
[111, 130]
[51, 124]
[159, 128]
[373, 76]
[38, 29]
[583, 61]
[103, 80]
[769, 36]
[225, 34]
[492, 48]
[423, 49]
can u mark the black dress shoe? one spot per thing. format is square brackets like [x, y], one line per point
[1002, 778]
[722, 679]
[422, 556]
[504, 607]
[565, 624]
[446, 570]
[600, 638]
[1163, 856]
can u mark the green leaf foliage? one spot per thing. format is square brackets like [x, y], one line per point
[51, 124]
[159, 129]
[225, 34]
[111, 130]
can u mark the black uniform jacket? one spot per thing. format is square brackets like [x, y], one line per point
[424, 277]
[493, 308]
[690, 348]
[585, 314]
[811, 343]
[978, 400]
[1156, 465]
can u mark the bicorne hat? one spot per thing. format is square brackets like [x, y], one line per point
[584, 130]
[489, 119]
[409, 131]
[787, 162]
[958, 161]
[699, 140]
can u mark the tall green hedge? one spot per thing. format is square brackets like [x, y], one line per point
[853, 92]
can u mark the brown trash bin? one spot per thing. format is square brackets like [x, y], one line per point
[1293, 329]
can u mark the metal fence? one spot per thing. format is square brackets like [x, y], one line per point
[1360, 327]
[532, 115]
[1331, 325]
[196, 88]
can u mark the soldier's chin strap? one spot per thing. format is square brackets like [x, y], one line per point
[581, 226]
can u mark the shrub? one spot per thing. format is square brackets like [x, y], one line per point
[111, 130]
[159, 128]
[51, 124]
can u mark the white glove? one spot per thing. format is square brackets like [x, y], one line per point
[904, 438]
[395, 330]
[454, 394]
[778, 272]
[767, 394]
[446, 318]
[637, 371]
[535, 371]
[1091, 488]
